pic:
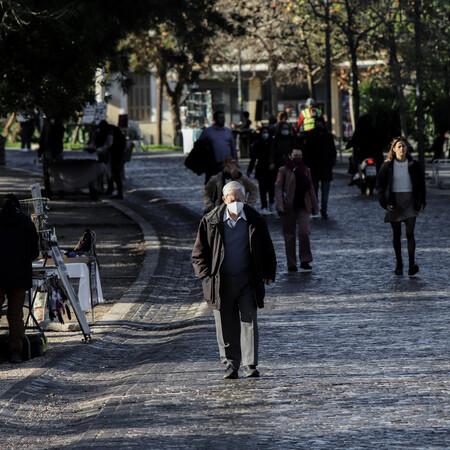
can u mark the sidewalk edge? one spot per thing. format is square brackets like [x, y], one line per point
[152, 245]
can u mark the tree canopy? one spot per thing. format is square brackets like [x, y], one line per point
[50, 51]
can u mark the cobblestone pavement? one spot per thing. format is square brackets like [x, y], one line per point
[350, 355]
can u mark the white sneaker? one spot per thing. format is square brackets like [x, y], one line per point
[264, 211]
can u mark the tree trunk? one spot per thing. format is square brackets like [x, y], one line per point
[355, 84]
[308, 65]
[159, 107]
[273, 87]
[173, 97]
[274, 96]
[396, 71]
[4, 137]
[419, 83]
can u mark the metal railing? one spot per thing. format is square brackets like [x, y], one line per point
[440, 165]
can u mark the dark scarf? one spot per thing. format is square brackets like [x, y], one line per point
[302, 181]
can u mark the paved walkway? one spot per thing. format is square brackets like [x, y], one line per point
[351, 356]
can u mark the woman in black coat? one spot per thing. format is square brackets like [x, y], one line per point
[402, 193]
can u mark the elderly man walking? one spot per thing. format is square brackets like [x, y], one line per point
[234, 257]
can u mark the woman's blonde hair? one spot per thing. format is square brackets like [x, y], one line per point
[393, 144]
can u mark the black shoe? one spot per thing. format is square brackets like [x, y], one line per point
[305, 267]
[15, 358]
[231, 373]
[292, 269]
[413, 270]
[325, 216]
[250, 372]
[398, 270]
[118, 197]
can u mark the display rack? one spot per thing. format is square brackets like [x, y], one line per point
[49, 248]
[197, 110]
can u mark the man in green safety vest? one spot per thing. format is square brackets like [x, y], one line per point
[308, 116]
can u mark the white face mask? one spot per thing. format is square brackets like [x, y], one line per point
[285, 132]
[235, 207]
[265, 135]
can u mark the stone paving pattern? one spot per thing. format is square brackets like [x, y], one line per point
[351, 356]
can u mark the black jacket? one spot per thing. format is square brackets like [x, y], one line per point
[259, 155]
[320, 154]
[384, 184]
[208, 254]
[18, 248]
[201, 157]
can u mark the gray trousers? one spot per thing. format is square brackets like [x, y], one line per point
[236, 322]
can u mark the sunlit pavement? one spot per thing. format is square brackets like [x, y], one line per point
[351, 355]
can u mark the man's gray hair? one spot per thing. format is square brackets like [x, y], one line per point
[231, 187]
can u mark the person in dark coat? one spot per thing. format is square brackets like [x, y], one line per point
[296, 200]
[265, 175]
[402, 193]
[320, 156]
[234, 257]
[18, 248]
[51, 141]
[111, 143]
[280, 144]
[220, 140]
[212, 192]
[365, 143]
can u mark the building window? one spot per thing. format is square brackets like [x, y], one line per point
[139, 107]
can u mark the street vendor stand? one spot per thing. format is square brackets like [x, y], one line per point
[52, 274]
[72, 174]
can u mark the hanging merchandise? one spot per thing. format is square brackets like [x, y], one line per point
[57, 299]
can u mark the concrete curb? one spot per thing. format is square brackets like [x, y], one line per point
[152, 245]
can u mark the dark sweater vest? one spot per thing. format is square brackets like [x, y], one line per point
[237, 255]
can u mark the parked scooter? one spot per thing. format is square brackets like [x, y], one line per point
[366, 176]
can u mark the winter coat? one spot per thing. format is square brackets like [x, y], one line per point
[208, 254]
[385, 179]
[259, 155]
[212, 192]
[320, 154]
[18, 248]
[285, 191]
[280, 147]
[201, 158]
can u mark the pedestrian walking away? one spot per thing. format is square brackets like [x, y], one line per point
[365, 143]
[234, 257]
[244, 132]
[18, 247]
[296, 200]
[111, 143]
[280, 144]
[320, 157]
[26, 130]
[264, 173]
[402, 193]
[212, 192]
[220, 139]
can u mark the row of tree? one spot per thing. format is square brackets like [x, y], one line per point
[51, 52]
